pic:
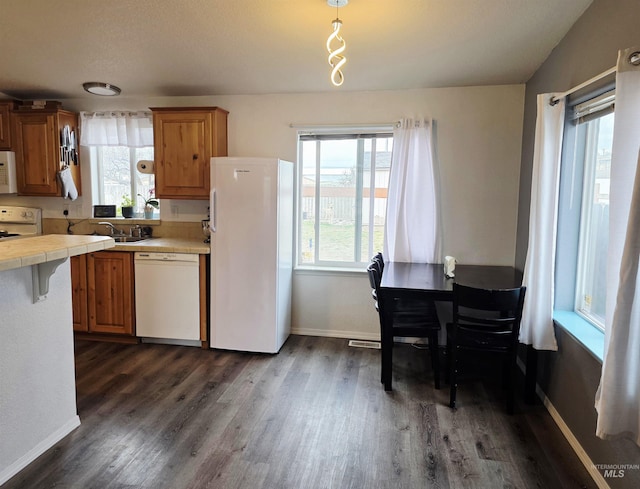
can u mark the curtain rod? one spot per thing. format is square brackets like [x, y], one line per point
[102, 113]
[339, 126]
[555, 100]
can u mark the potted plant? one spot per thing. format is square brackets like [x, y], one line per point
[127, 206]
[150, 203]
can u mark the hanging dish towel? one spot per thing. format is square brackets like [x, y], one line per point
[69, 189]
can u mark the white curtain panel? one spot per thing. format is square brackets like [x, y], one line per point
[132, 129]
[412, 228]
[537, 316]
[618, 396]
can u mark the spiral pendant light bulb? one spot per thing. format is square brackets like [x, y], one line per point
[336, 58]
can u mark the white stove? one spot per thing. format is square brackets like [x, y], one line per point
[16, 222]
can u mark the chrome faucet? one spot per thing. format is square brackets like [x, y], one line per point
[113, 231]
[135, 231]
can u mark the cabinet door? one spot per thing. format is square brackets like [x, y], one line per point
[184, 142]
[37, 159]
[79, 290]
[5, 125]
[36, 138]
[110, 281]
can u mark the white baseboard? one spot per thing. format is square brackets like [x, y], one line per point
[352, 335]
[39, 449]
[575, 444]
[568, 434]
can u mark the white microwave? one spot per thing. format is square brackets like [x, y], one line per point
[8, 183]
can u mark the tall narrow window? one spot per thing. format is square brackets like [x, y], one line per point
[594, 138]
[342, 197]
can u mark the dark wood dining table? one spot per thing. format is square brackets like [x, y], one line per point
[402, 280]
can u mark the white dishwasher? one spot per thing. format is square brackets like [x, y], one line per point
[167, 287]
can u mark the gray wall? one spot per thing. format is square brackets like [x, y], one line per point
[570, 376]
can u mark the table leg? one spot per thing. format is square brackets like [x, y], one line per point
[387, 352]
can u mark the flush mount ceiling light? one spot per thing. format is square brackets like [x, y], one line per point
[99, 88]
[336, 58]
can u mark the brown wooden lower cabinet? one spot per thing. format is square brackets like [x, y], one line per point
[109, 297]
[104, 296]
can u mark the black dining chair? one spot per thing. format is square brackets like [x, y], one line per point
[377, 261]
[485, 320]
[415, 319]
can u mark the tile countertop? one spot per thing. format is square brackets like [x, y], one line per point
[167, 245]
[22, 252]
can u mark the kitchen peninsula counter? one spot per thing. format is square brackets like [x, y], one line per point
[37, 385]
[22, 252]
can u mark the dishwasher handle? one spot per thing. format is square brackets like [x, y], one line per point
[165, 257]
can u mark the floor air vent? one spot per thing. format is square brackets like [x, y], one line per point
[365, 344]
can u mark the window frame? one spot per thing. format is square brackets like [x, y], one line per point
[586, 247]
[97, 161]
[571, 211]
[361, 221]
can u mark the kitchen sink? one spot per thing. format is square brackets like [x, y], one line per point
[129, 239]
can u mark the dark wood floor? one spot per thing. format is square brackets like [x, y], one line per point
[313, 416]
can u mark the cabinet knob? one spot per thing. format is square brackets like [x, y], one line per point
[195, 157]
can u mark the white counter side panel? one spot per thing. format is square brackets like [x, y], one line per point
[37, 377]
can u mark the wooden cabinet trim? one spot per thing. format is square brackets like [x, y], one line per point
[184, 110]
[204, 301]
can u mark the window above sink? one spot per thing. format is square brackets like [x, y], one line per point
[117, 140]
[116, 176]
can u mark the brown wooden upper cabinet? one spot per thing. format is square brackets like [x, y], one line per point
[6, 107]
[37, 136]
[185, 138]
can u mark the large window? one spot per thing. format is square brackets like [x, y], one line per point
[116, 176]
[343, 181]
[585, 183]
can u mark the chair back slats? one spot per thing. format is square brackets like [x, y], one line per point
[379, 261]
[423, 311]
[490, 325]
[488, 318]
[374, 281]
[371, 271]
[487, 299]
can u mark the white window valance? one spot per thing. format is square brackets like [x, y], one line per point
[116, 128]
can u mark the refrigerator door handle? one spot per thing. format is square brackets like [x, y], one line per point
[214, 211]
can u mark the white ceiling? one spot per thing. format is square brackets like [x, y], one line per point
[48, 48]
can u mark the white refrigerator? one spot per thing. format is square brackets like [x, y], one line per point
[251, 222]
